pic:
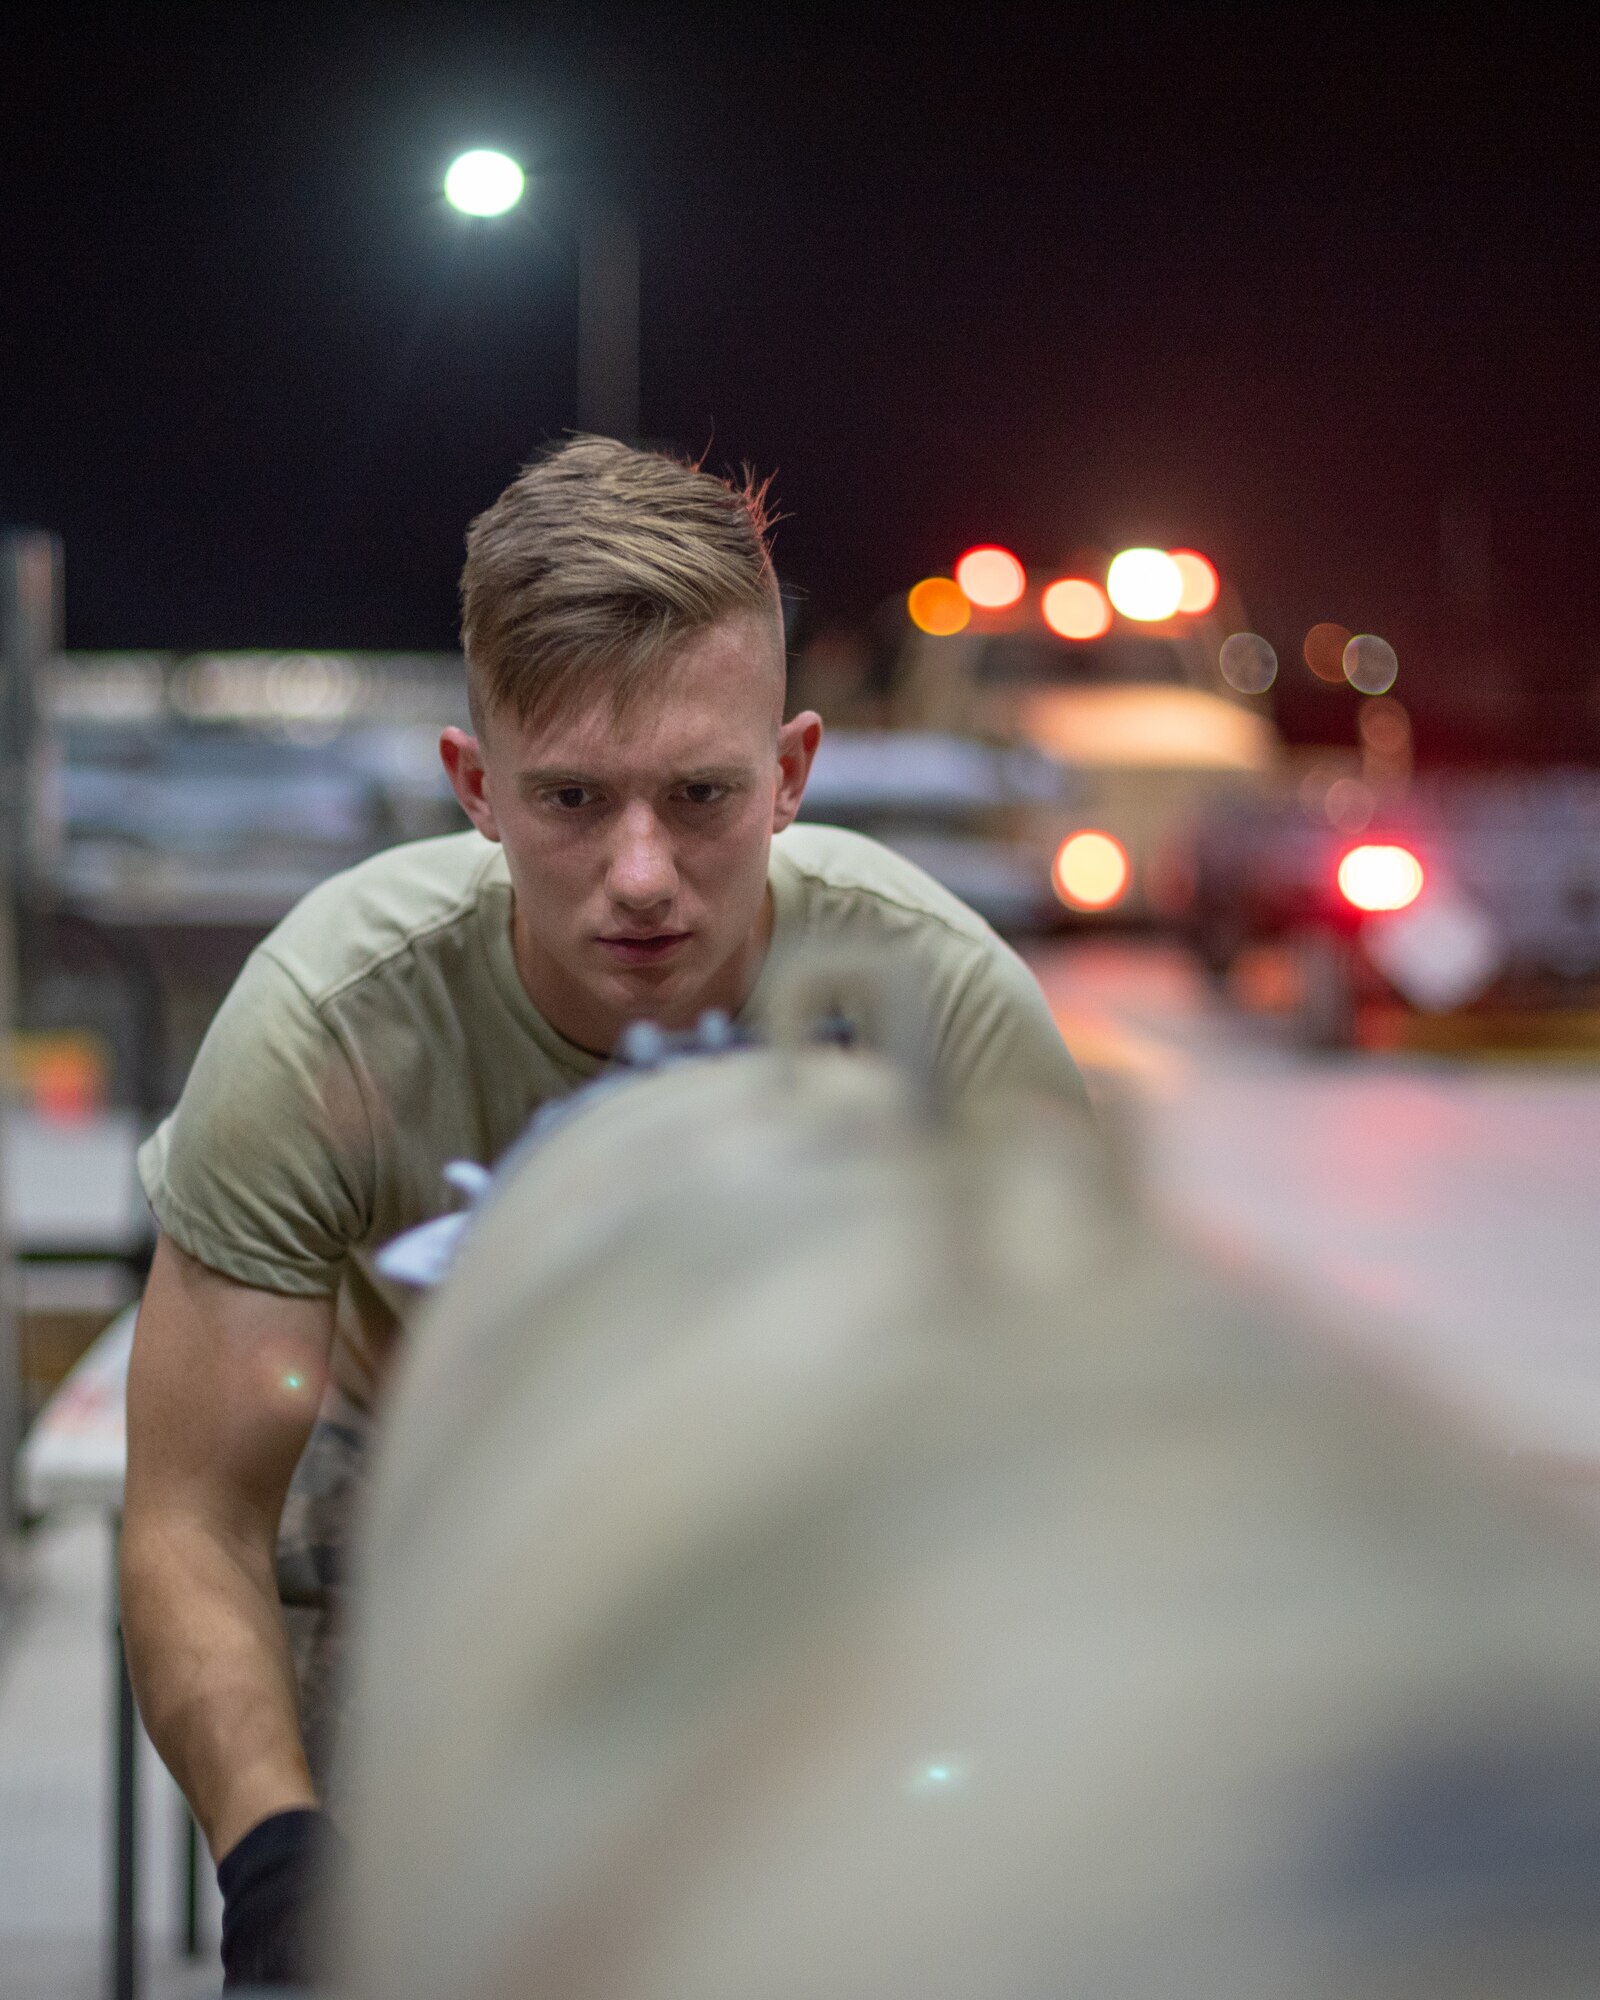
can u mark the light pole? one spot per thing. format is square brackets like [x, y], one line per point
[485, 184]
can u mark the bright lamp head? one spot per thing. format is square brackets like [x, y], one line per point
[1145, 584]
[484, 183]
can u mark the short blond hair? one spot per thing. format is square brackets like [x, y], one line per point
[595, 562]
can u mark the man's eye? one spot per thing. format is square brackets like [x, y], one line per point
[706, 794]
[569, 797]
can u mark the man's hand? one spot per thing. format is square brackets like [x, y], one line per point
[274, 1887]
[223, 1389]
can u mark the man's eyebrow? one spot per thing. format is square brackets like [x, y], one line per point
[552, 774]
[540, 776]
[713, 774]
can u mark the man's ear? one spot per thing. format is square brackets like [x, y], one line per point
[797, 745]
[462, 757]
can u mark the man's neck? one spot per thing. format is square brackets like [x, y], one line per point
[580, 1018]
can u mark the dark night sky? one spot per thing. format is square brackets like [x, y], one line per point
[1282, 286]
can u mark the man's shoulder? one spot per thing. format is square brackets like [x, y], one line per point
[849, 879]
[376, 913]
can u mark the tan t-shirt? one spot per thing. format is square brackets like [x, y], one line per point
[383, 1030]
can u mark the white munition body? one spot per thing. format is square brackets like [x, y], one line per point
[824, 1551]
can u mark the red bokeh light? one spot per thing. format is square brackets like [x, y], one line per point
[1200, 582]
[991, 577]
[1374, 878]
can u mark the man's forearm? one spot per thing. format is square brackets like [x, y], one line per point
[210, 1664]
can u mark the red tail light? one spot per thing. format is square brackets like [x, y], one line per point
[1373, 878]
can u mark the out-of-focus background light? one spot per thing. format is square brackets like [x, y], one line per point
[1200, 582]
[1387, 753]
[991, 577]
[1247, 662]
[1324, 652]
[1369, 664]
[1349, 804]
[1091, 870]
[483, 182]
[1384, 726]
[938, 605]
[1375, 878]
[1074, 608]
[1145, 584]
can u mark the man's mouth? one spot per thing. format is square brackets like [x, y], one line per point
[647, 949]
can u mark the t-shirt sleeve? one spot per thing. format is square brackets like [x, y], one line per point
[998, 1033]
[264, 1171]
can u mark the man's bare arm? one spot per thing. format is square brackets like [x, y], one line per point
[223, 1390]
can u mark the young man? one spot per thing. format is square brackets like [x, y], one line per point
[629, 770]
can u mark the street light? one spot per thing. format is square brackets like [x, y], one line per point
[482, 184]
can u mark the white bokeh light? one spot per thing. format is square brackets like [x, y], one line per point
[1370, 664]
[1145, 584]
[484, 183]
[1248, 662]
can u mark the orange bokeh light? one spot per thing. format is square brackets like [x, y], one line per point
[938, 605]
[1200, 583]
[1380, 878]
[991, 577]
[1076, 608]
[1091, 870]
[1324, 652]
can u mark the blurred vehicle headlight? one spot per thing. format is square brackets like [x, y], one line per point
[1091, 870]
[1145, 584]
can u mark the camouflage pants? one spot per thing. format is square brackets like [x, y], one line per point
[313, 1549]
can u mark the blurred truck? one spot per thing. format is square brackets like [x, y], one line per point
[1137, 707]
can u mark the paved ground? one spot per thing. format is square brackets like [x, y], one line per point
[1440, 1211]
[55, 1706]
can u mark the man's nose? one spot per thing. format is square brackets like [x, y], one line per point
[642, 871]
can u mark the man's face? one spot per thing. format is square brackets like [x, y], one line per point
[637, 848]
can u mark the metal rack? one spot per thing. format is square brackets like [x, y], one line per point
[158, 814]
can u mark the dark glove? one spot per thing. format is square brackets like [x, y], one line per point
[272, 1884]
